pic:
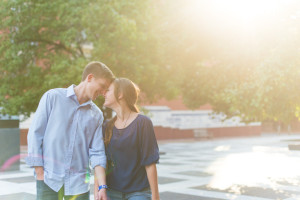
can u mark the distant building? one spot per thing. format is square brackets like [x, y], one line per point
[173, 120]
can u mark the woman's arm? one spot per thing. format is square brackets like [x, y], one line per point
[152, 178]
[100, 180]
[96, 186]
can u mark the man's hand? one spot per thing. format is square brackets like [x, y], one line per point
[39, 173]
[102, 194]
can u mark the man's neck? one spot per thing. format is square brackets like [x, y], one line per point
[80, 93]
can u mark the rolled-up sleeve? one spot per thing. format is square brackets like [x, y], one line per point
[97, 150]
[37, 131]
[148, 144]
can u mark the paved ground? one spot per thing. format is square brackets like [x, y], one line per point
[256, 168]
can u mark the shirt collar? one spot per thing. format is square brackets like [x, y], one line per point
[71, 92]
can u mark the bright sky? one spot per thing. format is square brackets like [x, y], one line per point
[240, 26]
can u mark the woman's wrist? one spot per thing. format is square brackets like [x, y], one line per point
[155, 196]
[102, 187]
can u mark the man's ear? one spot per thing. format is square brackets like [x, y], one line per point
[89, 77]
[120, 96]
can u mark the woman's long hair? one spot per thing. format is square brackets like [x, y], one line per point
[130, 93]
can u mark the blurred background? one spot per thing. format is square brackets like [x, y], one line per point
[207, 69]
[239, 57]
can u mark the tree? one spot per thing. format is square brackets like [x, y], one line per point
[240, 69]
[42, 47]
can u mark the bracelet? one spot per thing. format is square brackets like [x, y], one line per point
[102, 186]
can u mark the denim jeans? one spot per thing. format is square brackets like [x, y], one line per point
[139, 195]
[44, 192]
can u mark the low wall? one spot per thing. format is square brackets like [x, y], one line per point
[235, 131]
[165, 133]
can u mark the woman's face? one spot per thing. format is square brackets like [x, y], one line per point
[110, 98]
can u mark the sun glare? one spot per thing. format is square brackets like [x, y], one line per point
[247, 11]
[244, 13]
[242, 27]
[262, 167]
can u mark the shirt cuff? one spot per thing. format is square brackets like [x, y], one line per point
[98, 161]
[34, 161]
[151, 159]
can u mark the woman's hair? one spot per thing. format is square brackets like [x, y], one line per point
[130, 93]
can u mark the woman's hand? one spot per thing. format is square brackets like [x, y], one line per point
[102, 194]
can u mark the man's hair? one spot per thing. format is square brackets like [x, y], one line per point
[99, 70]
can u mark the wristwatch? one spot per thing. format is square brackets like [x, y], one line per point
[102, 186]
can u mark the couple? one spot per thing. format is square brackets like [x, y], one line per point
[66, 137]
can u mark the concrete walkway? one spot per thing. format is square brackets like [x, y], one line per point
[256, 168]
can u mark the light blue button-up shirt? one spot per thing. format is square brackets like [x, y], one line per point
[63, 137]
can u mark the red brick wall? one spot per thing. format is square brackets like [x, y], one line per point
[163, 133]
[23, 137]
[235, 131]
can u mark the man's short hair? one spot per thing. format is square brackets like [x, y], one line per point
[99, 70]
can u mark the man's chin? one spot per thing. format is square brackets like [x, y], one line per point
[95, 97]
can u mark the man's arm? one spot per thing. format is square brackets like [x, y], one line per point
[98, 162]
[152, 178]
[36, 136]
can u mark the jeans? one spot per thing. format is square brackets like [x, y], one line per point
[139, 195]
[44, 192]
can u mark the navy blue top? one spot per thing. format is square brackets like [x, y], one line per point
[129, 151]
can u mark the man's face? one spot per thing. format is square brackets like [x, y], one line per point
[97, 86]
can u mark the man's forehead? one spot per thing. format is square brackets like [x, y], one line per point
[103, 81]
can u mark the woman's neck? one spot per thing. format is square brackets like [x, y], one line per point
[123, 113]
[124, 116]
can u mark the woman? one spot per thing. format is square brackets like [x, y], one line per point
[131, 146]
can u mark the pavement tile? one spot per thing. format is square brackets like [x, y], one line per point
[269, 193]
[20, 180]
[165, 180]
[18, 196]
[177, 196]
[195, 173]
[179, 167]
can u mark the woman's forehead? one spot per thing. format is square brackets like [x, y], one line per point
[111, 86]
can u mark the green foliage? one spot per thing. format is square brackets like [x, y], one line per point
[167, 47]
[247, 70]
[42, 47]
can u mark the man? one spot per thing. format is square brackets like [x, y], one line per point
[66, 134]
